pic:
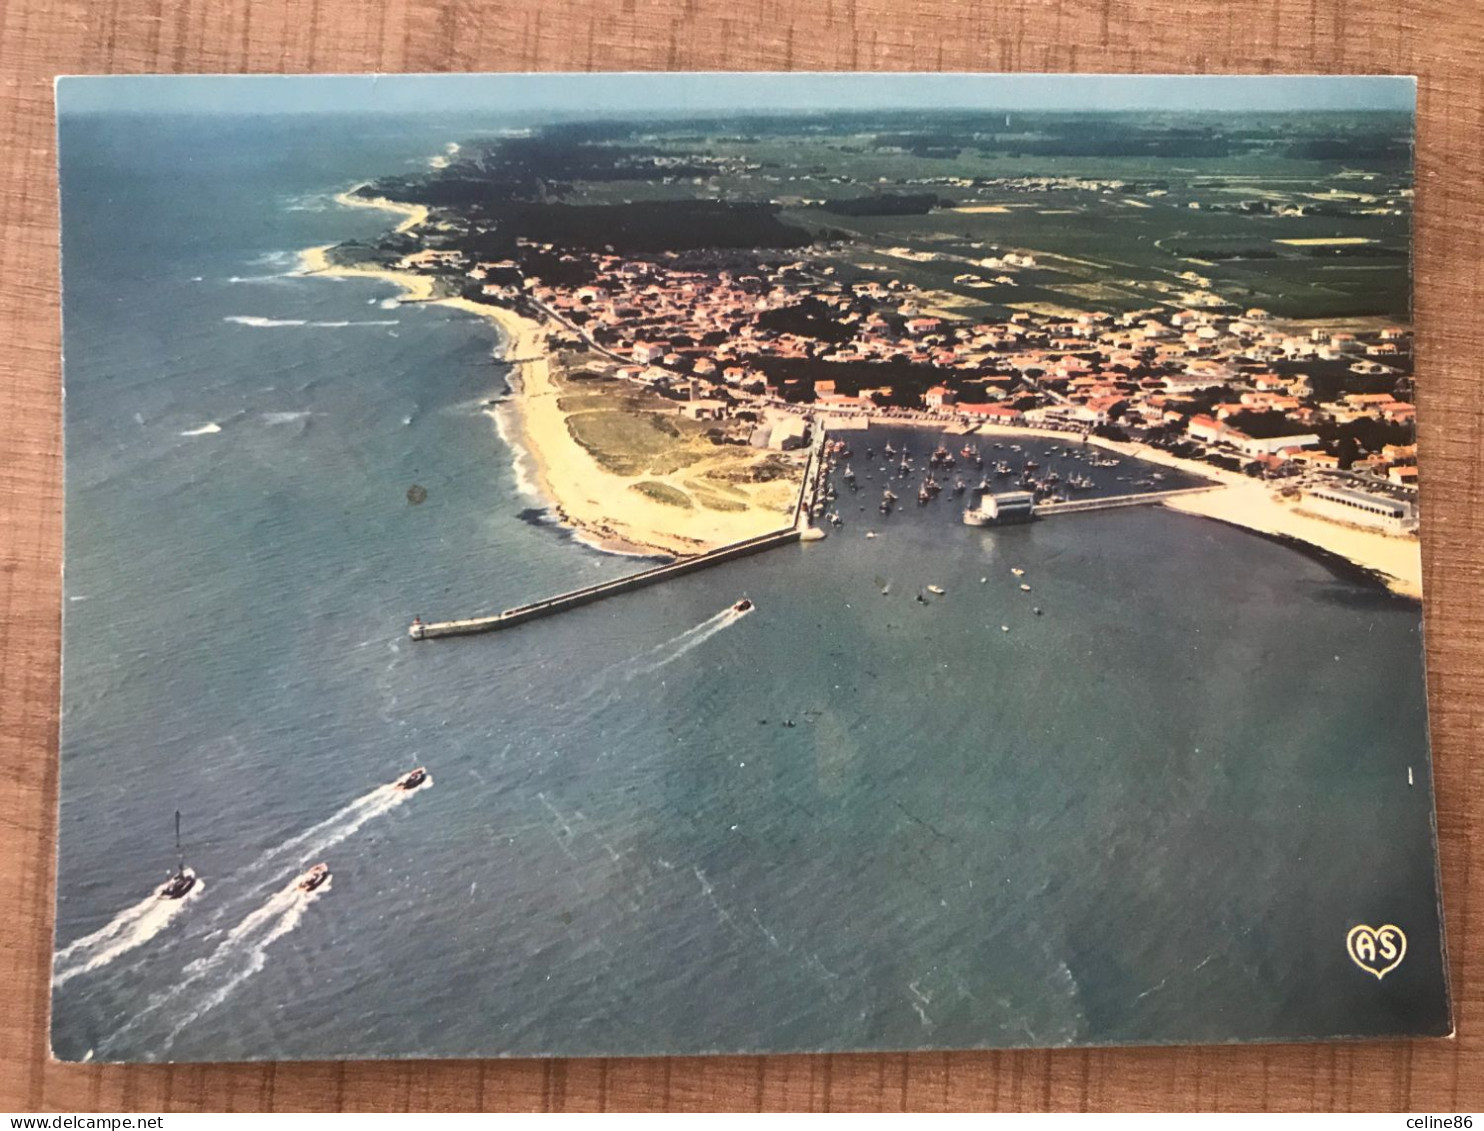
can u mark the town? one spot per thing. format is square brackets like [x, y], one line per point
[770, 344]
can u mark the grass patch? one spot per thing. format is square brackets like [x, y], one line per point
[719, 483]
[717, 503]
[707, 494]
[623, 442]
[662, 493]
[674, 460]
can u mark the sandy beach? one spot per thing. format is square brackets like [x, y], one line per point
[603, 508]
[412, 214]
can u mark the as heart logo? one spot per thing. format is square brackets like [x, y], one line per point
[1376, 950]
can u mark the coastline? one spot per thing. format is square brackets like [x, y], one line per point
[603, 509]
[412, 214]
[1247, 503]
[600, 507]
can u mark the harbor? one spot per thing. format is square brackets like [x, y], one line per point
[1029, 498]
[813, 486]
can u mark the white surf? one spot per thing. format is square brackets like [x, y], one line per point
[242, 953]
[129, 929]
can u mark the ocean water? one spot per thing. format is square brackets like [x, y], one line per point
[846, 820]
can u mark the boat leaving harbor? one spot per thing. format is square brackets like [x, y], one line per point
[314, 879]
[411, 781]
[179, 885]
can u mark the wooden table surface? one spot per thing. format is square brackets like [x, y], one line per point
[1442, 42]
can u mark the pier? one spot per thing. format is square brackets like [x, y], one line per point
[801, 531]
[1082, 506]
[587, 595]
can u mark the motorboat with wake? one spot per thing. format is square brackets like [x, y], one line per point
[180, 884]
[410, 781]
[314, 879]
[743, 606]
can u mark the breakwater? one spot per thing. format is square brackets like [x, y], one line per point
[810, 491]
[1082, 506]
[587, 595]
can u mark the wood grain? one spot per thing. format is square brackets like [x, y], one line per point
[1442, 42]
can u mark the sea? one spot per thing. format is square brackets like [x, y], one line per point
[863, 815]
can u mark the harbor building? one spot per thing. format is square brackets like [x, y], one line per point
[1362, 508]
[999, 509]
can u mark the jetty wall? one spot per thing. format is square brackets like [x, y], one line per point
[809, 493]
[587, 595]
[1082, 506]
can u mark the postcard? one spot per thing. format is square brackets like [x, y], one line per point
[685, 563]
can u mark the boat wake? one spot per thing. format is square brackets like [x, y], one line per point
[317, 840]
[259, 322]
[242, 953]
[129, 929]
[666, 653]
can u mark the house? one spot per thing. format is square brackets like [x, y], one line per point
[645, 352]
[1268, 445]
[703, 409]
[939, 396]
[789, 432]
[993, 413]
[1205, 429]
[1316, 459]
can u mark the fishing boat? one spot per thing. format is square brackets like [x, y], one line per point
[314, 879]
[410, 781]
[178, 886]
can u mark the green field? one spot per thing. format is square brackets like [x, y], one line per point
[1125, 249]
